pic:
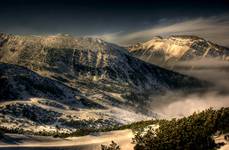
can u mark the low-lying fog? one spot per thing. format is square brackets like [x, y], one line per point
[178, 104]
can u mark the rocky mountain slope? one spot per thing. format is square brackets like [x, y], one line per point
[170, 50]
[86, 59]
[21, 83]
[82, 80]
[189, 55]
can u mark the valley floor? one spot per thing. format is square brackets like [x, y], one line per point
[89, 142]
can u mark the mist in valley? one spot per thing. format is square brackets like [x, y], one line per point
[180, 104]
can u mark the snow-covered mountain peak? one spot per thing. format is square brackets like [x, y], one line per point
[180, 47]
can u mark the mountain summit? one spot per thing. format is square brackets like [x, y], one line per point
[172, 49]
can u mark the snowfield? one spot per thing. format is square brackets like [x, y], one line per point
[89, 142]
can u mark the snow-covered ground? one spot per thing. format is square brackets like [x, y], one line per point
[114, 114]
[90, 142]
[221, 139]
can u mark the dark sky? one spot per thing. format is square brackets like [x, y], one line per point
[99, 16]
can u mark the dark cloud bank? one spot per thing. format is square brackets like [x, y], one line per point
[215, 28]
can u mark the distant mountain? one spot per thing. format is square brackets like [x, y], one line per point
[170, 50]
[81, 81]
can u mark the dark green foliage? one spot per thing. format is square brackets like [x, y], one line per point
[82, 123]
[85, 131]
[21, 131]
[188, 133]
[112, 146]
[31, 112]
[12, 130]
[135, 126]
[1, 134]
[82, 129]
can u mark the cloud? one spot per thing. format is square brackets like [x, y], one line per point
[209, 69]
[110, 37]
[215, 28]
[179, 104]
[185, 106]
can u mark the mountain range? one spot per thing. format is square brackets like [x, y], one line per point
[174, 50]
[86, 82]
